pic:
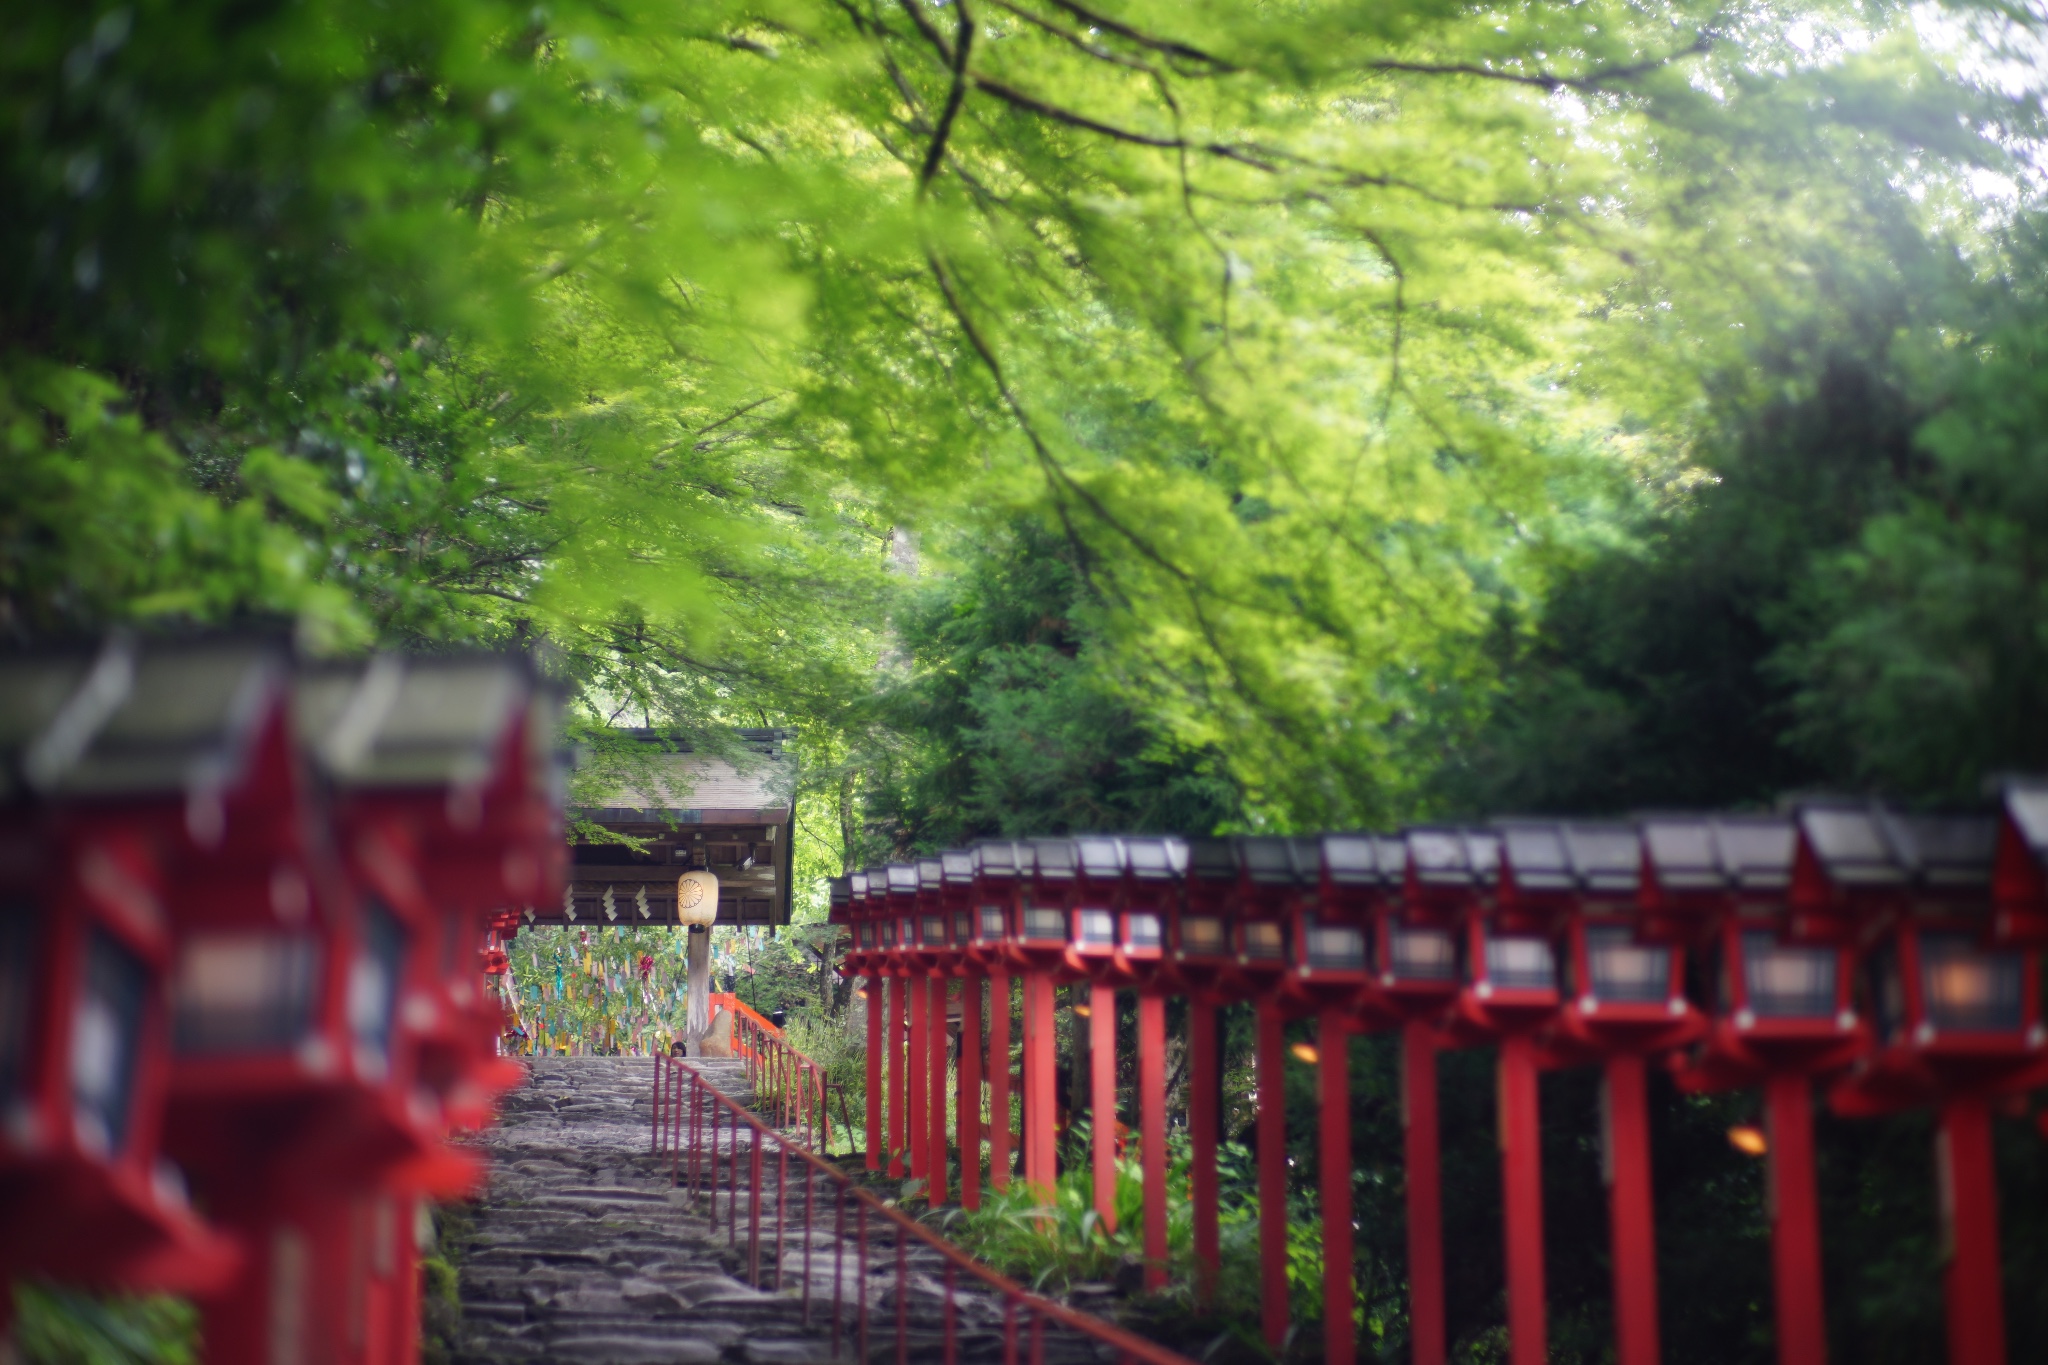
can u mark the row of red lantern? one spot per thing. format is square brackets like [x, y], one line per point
[1564, 942]
[241, 1004]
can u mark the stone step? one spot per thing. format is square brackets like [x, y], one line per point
[583, 1251]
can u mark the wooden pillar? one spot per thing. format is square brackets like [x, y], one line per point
[914, 1067]
[1521, 1159]
[1968, 1189]
[967, 1100]
[1040, 1057]
[1333, 1043]
[899, 1083]
[1425, 1195]
[877, 1008]
[1271, 1059]
[1152, 1124]
[999, 1080]
[935, 1093]
[1102, 1097]
[1625, 1114]
[1795, 1222]
[1203, 1121]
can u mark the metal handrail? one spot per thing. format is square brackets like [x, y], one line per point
[689, 1108]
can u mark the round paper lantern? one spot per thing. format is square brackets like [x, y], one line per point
[697, 899]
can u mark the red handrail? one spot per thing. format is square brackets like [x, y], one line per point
[689, 1109]
[791, 1085]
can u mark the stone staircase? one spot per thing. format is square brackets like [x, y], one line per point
[581, 1251]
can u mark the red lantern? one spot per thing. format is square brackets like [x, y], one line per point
[1624, 1002]
[1957, 1023]
[109, 792]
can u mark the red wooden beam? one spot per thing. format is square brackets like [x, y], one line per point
[1203, 1121]
[935, 1095]
[1425, 1195]
[1795, 1221]
[877, 1008]
[1521, 1162]
[1152, 1122]
[1968, 1185]
[1271, 1059]
[1333, 1042]
[1102, 1097]
[1631, 1218]
[1039, 1061]
[999, 1080]
[967, 1102]
[899, 988]
[914, 1066]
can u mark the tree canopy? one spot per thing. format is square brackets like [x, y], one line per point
[1323, 341]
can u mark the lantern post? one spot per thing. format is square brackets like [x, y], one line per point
[1336, 879]
[1510, 995]
[1199, 963]
[1266, 890]
[1782, 1014]
[956, 871]
[901, 881]
[1153, 869]
[868, 960]
[1624, 1003]
[1412, 924]
[996, 895]
[1092, 948]
[941, 963]
[1038, 946]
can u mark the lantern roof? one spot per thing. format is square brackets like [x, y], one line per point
[1351, 860]
[901, 878]
[405, 721]
[1449, 856]
[1741, 853]
[1101, 856]
[1265, 859]
[1867, 845]
[1156, 858]
[1002, 858]
[1054, 859]
[930, 872]
[1573, 856]
[956, 866]
[136, 717]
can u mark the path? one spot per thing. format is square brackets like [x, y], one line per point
[582, 1252]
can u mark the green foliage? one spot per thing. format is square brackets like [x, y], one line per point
[62, 1327]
